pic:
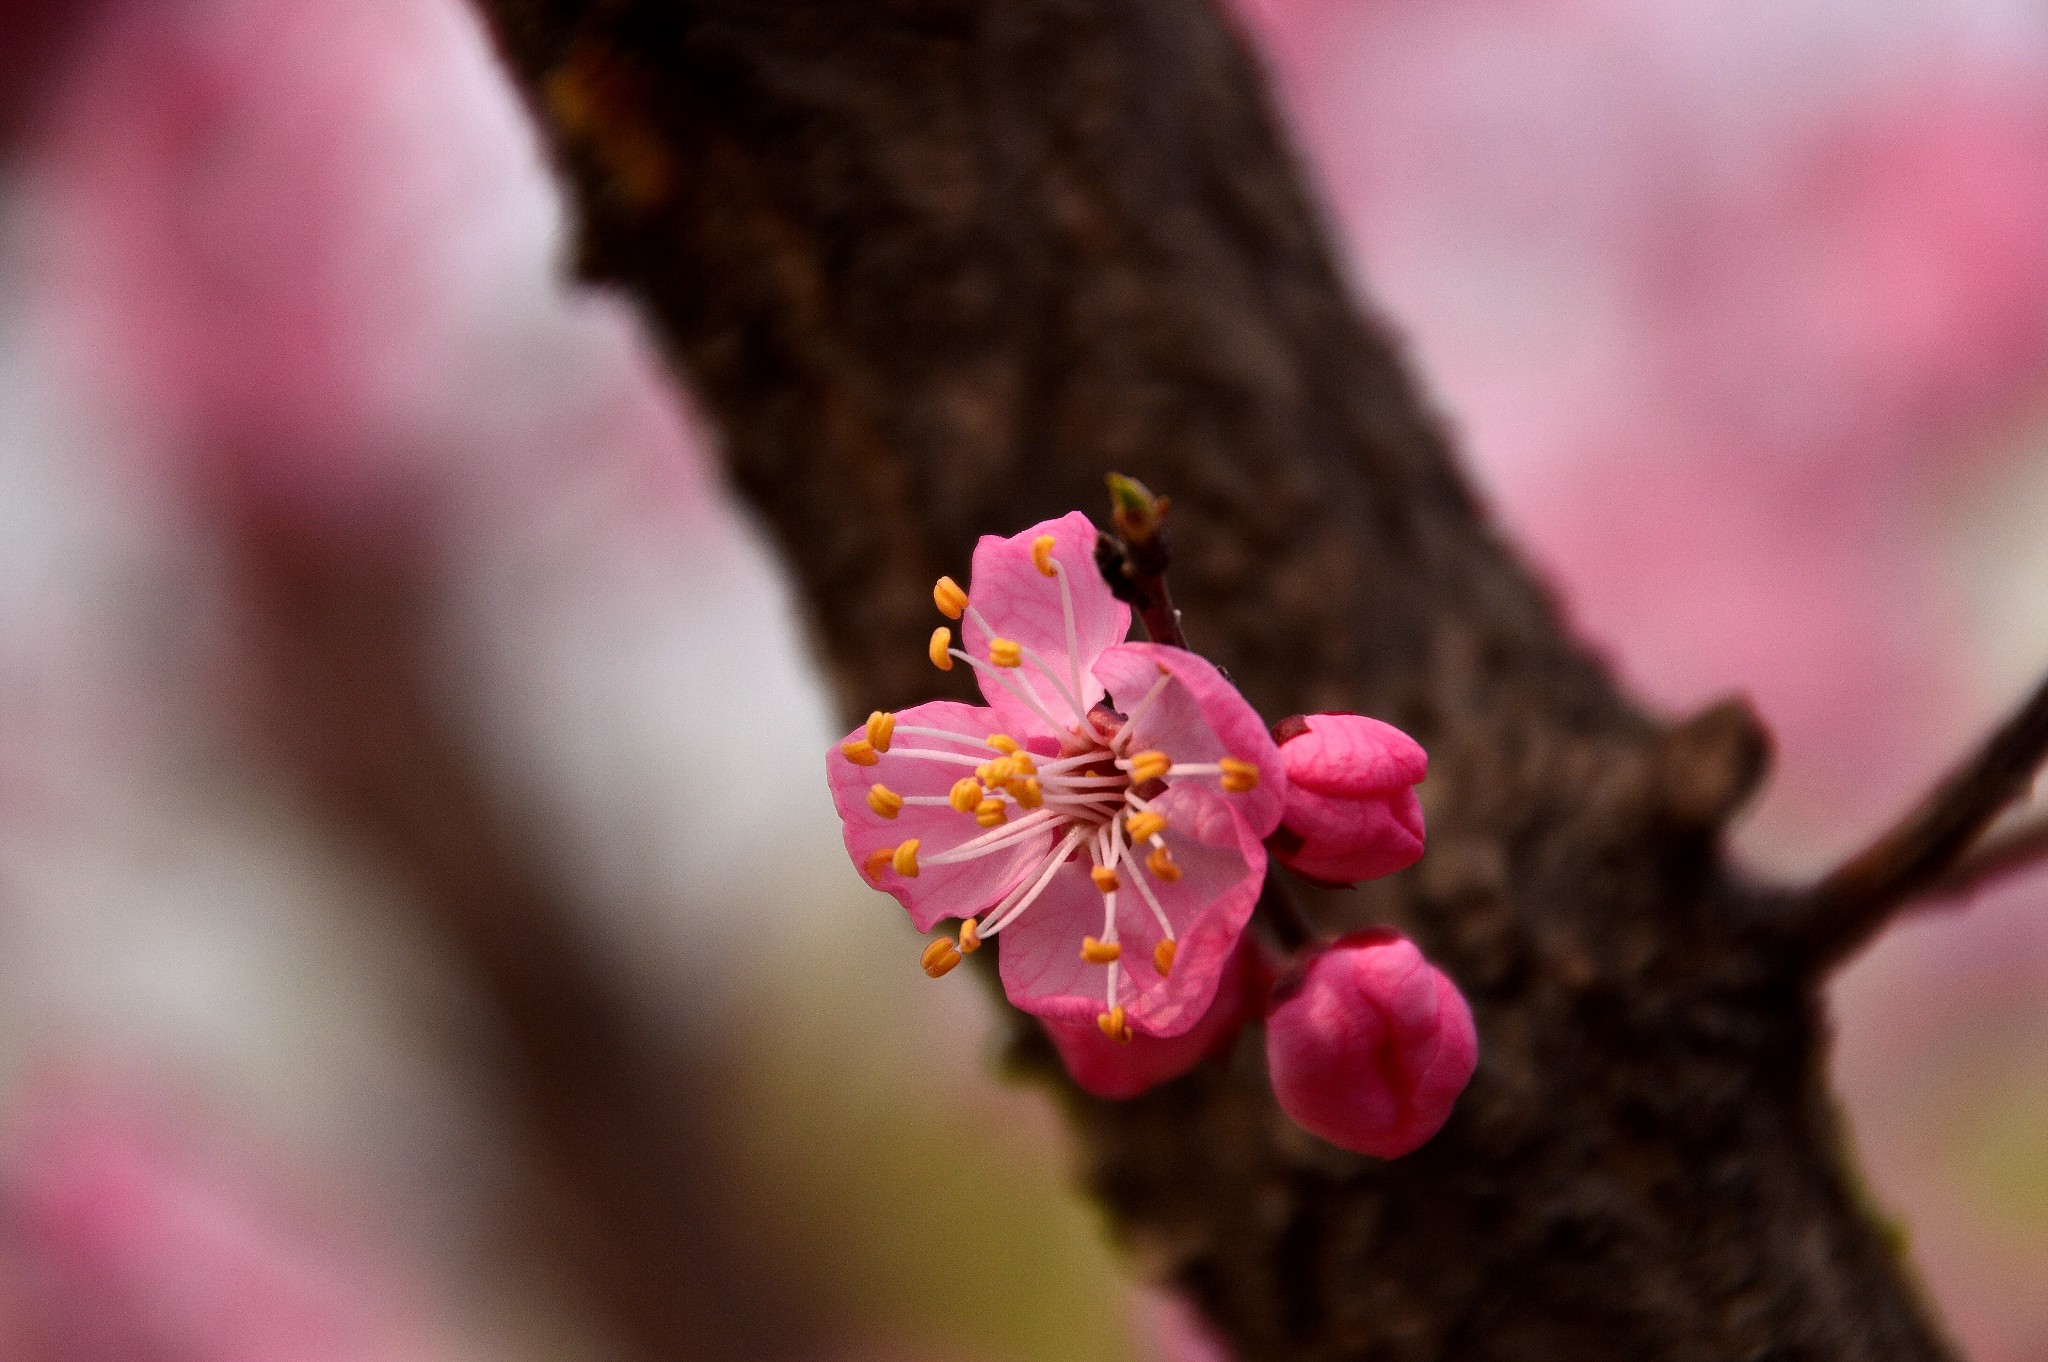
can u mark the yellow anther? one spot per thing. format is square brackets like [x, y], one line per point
[1113, 1025]
[877, 861]
[966, 794]
[1005, 744]
[884, 800]
[1149, 766]
[951, 600]
[989, 813]
[940, 956]
[904, 860]
[881, 728]
[1105, 879]
[1027, 792]
[1239, 776]
[996, 772]
[860, 752]
[1024, 763]
[1005, 652]
[942, 642]
[1162, 864]
[1143, 827]
[1041, 555]
[1100, 952]
[970, 937]
[1162, 957]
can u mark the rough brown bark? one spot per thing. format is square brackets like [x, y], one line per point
[935, 267]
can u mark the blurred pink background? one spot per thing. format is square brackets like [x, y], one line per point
[1740, 311]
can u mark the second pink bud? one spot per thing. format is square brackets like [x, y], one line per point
[1369, 1045]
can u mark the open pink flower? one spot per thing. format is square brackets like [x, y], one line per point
[1351, 809]
[1368, 1045]
[1104, 813]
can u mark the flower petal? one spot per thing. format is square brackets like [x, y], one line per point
[1108, 1069]
[1199, 717]
[939, 891]
[1223, 866]
[1023, 604]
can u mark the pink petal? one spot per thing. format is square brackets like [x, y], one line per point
[1199, 717]
[1111, 1070]
[1369, 1045]
[1023, 604]
[1352, 756]
[939, 891]
[1223, 867]
[1181, 1334]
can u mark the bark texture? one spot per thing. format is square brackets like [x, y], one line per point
[936, 267]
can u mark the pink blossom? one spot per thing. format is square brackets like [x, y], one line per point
[1109, 1069]
[1369, 1045]
[1104, 813]
[1351, 810]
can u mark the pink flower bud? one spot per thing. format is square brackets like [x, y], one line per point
[1369, 1045]
[1116, 1071]
[1351, 811]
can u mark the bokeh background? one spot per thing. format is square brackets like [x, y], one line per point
[378, 649]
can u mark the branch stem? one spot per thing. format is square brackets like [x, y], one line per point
[1928, 851]
[1134, 558]
[2004, 850]
[1283, 916]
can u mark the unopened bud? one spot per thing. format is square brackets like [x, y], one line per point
[1351, 811]
[1369, 1045]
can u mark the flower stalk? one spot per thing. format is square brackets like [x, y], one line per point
[1134, 554]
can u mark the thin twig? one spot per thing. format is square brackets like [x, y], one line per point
[2004, 851]
[1283, 917]
[1134, 558]
[1921, 853]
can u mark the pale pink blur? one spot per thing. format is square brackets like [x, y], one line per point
[139, 1234]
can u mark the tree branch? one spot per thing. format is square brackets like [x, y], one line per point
[2005, 850]
[936, 267]
[1924, 853]
[1134, 555]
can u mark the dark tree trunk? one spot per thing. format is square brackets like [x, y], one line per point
[936, 267]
